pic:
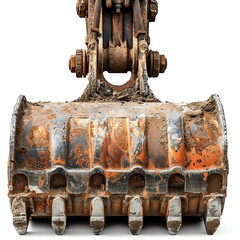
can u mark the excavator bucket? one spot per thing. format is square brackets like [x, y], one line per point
[117, 150]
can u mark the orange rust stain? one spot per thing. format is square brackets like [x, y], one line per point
[177, 157]
[78, 136]
[111, 174]
[48, 111]
[117, 142]
[205, 175]
[52, 116]
[59, 161]
[115, 154]
[49, 205]
[77, 150]
[41, 180]
[120, 135]
[81, 155]
[209, 157]
[38, 137]
[151, 165]
[114, 177]
[44, 157]
[40, 204]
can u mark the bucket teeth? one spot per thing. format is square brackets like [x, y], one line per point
[135, 215]
[20, 215]
[59, 217]
[174, 215]
[213, 214]
[97, 216]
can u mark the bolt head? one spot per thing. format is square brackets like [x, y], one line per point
[72, 63]
[163, 63]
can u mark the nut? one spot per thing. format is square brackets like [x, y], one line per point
[78, 63]
[153, 10]
[156, 63]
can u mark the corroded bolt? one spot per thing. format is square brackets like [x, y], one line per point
[153, 10]
[72, 63]
[118, 7]
[78, 63]
[163, 63]
[82, 8]
[156, 63]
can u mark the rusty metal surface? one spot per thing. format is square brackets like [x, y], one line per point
[156, 151]
[118, 42]
[117, 150]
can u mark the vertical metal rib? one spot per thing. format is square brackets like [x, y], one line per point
[176, 148]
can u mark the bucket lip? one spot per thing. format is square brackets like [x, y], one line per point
[73, 186]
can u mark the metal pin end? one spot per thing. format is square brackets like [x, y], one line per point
[213, 214]
[59, 218]
[118, 7]
[174, 215]
[97, 219]
[135, 215]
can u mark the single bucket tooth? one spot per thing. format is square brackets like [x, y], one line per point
[59, 218]
[20, 215]
[97, 219]
[213, 214]
[174, 215]
[135, 215]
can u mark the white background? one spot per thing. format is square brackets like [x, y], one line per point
[201, 40]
